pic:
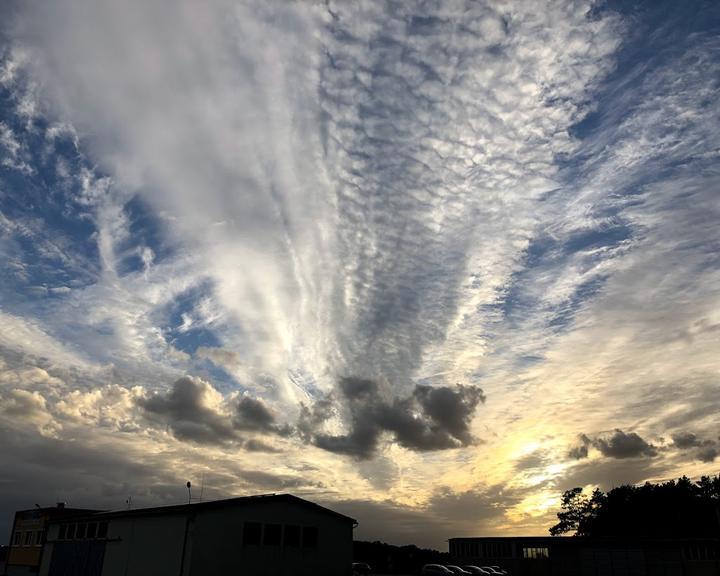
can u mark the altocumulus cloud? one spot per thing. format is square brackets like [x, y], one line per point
[300, 230]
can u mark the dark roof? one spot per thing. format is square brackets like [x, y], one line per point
[55, 511]
[198, 506]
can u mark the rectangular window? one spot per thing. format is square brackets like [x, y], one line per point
[38, 538]
[251, 533]
[536, 553]
[80, 532]
[91, 530]
[18, 539]
[272, 534]
[62, 532]
[102, 530]
[310, 537]
[292, 536]
[28, 538]
[70, 531]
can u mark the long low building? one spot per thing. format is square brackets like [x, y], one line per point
[574, 556]
[271, 535]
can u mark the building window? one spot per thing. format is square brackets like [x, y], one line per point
[62, 531]
[18, 539]
[272, 534]
[251, 533]
[91, 530]
[536, 553]
[310, 537]
[80, 532]
[28, 538]
[38, 538]
[292, 536]
[70, 534]
[102, 530]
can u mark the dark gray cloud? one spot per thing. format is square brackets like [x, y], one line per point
[429, 419]
[704, 450]
[581, 450]
[686, 440]
[252, 414]
[608, 473]
[185, 410]
[624, 445]
[536, 459]
[707, 454]
[254, 445]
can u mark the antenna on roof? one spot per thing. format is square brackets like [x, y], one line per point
[202, 485]
[189, 492]
[129, 502]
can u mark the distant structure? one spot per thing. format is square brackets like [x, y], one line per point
[577, 556]
[269, 535]
[28, 537]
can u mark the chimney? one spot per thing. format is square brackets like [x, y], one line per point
[60, 505]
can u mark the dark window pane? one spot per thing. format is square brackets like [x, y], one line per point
[251, 533]
[38, 537]
[80, 531]
[91, 530]
[102, 530]
[292, 536]
[62, 532]
[70, 531]
[310, 537]
[272, 534]
[18, 539]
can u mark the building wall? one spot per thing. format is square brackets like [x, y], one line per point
[218, 542]
[144, 546]
[567, 556]
[23, 556]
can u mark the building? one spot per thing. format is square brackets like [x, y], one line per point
[273, 535]
[575, 556]
[28, 535]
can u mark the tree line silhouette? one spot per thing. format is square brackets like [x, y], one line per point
[673, 509]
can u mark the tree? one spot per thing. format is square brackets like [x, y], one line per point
[578, 512]
[677, 508]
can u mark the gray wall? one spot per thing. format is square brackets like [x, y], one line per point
[217, 543]
[153, 545]
[144, 546]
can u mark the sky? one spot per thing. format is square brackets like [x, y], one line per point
[427, 263]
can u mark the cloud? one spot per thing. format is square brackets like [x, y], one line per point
[707, 454]
[465, 513]
[252, 414]
[581, 450]
[191, 410]
[430, 419]
[704, 450]
[686, 440]
[619, 444]
[416, 195]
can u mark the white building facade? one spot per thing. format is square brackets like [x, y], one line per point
[273, 535]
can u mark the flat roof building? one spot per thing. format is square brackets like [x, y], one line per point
[28, 535]
[271, 535]
[577, 556]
